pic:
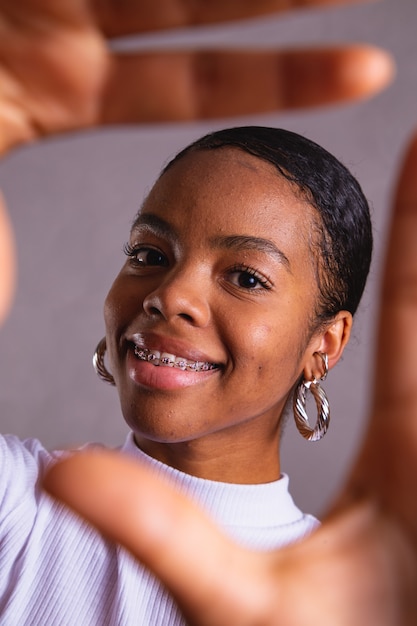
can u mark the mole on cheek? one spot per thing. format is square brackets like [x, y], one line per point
[260, 371]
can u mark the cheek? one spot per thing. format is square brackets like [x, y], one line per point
[116, 318]
[110, 322]
[272, 352]
[257, 349]
[118, 305]
[110, 309]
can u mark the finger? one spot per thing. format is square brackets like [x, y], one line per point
[51, 77]
[132, 506]
[120, 18]
[388, 464]
[7, 262]
[396, 377]
[201, 85]
[396, 380]
[217, 583]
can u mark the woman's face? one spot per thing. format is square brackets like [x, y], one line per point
[220, 279]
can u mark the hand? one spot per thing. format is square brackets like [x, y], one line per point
[7, 262]
[359, 568]
[57, 72]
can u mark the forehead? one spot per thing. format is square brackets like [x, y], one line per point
[229, 189]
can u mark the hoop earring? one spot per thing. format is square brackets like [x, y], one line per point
[99, 365]
[322, 404]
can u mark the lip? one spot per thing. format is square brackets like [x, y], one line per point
[147, 374]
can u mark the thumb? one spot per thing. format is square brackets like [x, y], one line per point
[167, 532]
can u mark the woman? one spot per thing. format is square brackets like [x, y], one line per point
[244, 267]
[360, 567]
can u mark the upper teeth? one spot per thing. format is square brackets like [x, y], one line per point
[170, 360]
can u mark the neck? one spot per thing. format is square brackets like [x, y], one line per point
[239, 462]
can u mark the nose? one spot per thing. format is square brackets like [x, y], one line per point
[181, 296]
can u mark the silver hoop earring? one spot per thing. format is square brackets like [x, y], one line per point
[99, 365]
[322, 404]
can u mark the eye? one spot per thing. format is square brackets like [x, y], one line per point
[144, 256]
[248, 278]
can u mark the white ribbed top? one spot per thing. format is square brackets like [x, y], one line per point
[250, 513]
[55, 570]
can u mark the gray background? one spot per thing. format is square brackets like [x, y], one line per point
[72, 199]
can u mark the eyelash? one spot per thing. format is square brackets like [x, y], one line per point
[264, 282]
[130, 250]
[133, 251]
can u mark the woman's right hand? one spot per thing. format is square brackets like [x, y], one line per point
[57, 72]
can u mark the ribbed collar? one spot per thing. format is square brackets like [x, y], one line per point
[230, 504]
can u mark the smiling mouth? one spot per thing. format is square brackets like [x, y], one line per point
[165, 359]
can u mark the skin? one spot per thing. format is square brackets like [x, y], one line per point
[7, 262]
[360, 567]
[57, 74]
[189, 288]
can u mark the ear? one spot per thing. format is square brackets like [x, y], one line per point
[331, 341]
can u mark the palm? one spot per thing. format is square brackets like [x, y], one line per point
[57, 73]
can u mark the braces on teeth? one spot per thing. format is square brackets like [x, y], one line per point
[170, 360]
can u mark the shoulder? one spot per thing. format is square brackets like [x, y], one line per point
[22, 464]
[28, 453]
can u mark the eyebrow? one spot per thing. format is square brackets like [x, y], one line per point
[155, 224]
[245, 242]
[241, 243]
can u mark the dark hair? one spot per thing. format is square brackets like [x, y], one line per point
[344, 241]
